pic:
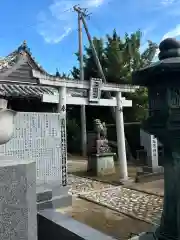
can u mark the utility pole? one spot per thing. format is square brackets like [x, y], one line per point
[96, 58]
[116, 112]
[83, 107]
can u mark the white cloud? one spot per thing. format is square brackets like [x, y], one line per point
[59, 20]
[167, 2]
[173, 7]
[157, 6]
[173, 33]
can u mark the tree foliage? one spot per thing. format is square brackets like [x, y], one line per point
[119, 57]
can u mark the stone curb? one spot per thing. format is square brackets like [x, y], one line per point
[145, 191]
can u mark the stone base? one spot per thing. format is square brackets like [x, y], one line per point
[52, 197]
[144, 236]
[149, 174]
[158, 169]
[149, 177]
[126, 182]
[54, 225]
[101, 164]
[18, 219]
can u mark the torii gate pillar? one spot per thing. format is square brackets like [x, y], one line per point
[121, 138]
[62, 101]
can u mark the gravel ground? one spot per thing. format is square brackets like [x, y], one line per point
[84, 185]
[134, 203]
[139, 205]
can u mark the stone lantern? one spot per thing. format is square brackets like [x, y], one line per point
[163, 82]
[6, 122]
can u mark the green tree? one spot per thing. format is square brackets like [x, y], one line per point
[75, 73]
[119, 57]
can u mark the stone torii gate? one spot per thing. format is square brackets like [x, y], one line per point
[94, 89]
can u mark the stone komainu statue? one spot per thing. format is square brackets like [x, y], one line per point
[100, 129]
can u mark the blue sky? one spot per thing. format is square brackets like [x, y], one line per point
[50, 26]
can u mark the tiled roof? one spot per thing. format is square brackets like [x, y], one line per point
[14, 90]
[8, 61]
[20, 90]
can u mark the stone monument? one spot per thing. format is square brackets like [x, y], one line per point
[163, 83]
[18, 214]
[100, 157]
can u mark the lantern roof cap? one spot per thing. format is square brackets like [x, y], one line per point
[167, 67]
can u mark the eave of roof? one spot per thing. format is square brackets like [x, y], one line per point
[34, 91]
[25, 91]
[13, 58]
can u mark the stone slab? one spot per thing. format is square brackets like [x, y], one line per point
[144, 236]
[18, 212]
[47, 192]
[58, 202]
[158, 169]
[53, 196]
[149, 177]
[52, 224]
[40, 137]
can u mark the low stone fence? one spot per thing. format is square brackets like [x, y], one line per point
[53, 225]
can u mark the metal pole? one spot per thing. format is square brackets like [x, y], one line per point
[83, 107]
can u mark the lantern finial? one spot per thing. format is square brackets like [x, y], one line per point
[169, 48]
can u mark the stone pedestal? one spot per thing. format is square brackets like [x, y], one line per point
[158, 169]
[170, 220]
[101, 164]
[18, 214]
[144, 236]
[53, 196]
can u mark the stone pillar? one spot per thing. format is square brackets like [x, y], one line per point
[62, 110]
[18, 214]
[121, 138]
[153, 154]
[83, 131]
[62, 100]
[3, 103]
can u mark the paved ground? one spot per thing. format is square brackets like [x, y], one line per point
[139, 205]
[115, 210]
[105, 220]
[154, 187]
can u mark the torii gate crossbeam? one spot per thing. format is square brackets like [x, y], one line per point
[119, 102]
